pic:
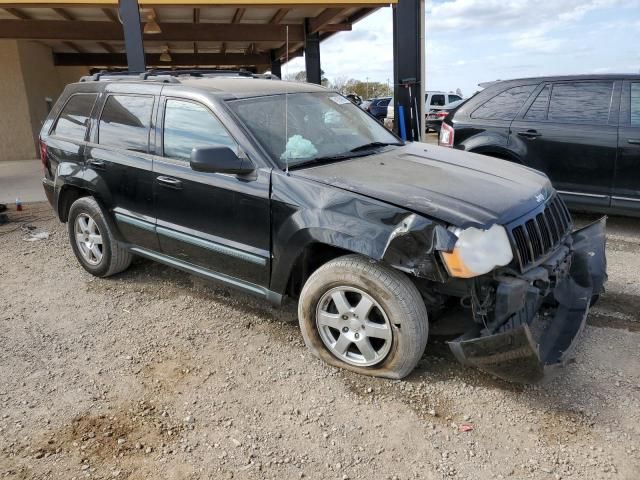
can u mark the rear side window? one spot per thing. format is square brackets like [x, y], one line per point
[454, 98]
[125, 122]
[188, 125]
[72, 122]
[506, 105]
[635, 104]
[581, 102]
[438, 100]
[538, 109]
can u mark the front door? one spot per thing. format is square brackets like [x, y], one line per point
[217, 221]
[569, 131]
[119, 165]
[626, 189]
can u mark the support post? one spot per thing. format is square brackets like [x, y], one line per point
[130, 15]
[312, 54]
[408, 66]
[276, 65]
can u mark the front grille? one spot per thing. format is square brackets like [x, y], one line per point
[537, 234]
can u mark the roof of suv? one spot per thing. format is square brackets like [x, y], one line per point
[606, 76]
[247, 87]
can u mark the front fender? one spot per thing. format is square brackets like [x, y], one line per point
[318, 213]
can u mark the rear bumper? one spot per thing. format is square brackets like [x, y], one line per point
[543, 336]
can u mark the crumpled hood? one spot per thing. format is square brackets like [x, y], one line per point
[460, 188]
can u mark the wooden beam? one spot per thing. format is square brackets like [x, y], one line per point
[238, 15]
[171, 32]
[73, 47]
[196, 19]
[64, 13]
[279, 16]
[111, 14]
[281, 53]
[120, 59]
[107, 47]
[16, 12]
[329, 14]
[336, 27]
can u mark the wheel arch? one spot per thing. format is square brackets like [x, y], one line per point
[70, 193]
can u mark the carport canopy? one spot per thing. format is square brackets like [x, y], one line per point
[249, 34]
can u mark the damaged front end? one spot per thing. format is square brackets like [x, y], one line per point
[527, 323]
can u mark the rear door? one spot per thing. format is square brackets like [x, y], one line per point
[217, 221]
[119, 163]
[569, 131]
[626, 190]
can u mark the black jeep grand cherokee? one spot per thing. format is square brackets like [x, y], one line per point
[289, 190]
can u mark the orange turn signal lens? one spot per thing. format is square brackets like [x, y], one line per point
[455, 265]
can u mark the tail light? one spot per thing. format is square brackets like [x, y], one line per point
[446, 135]
[43, 154]
[442, 115]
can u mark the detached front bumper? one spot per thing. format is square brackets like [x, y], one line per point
[542, 336]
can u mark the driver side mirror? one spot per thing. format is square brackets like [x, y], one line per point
[219, 159]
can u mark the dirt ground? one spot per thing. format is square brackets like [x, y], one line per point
[154, 374]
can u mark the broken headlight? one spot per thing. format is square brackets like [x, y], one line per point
[477, 251]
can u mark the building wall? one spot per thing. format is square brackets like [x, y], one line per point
[16, 133]
[29, 79]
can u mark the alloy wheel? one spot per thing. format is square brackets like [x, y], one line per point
[88, 239]
[353, 326]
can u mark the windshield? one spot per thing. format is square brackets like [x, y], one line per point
[319, 126]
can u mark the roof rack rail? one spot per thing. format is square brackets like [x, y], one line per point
[169, 75]
[126, 75]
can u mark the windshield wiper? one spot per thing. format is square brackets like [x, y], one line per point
[368, 146]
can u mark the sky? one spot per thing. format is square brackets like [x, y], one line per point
[473, 41]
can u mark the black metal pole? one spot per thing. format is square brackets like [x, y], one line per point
[276, 65]
[312, 55]
[408, 75]
[130, 16]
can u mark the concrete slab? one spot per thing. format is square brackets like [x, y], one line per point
[22, 179]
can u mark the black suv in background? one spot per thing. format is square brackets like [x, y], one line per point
[582, 131]
[289, 190]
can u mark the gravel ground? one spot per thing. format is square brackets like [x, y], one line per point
[156, 374]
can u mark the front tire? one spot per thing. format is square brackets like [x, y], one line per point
[363, 316]
[92, 240]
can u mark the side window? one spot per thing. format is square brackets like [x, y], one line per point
[506, 105]
[581, 102]
[72, 122]
[454, 98]
[538, 109]
[635, 104]
[188, 125]
[438, 100]
[125, 122]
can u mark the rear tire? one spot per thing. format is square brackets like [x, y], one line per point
[386, 342]
[92, 240]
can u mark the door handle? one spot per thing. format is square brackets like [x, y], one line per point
[633, 141]
[97, 164]
[169, 182]
[530, 134]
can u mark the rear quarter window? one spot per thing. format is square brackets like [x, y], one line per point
[72, 122]
[581, 102]
[506, 105]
